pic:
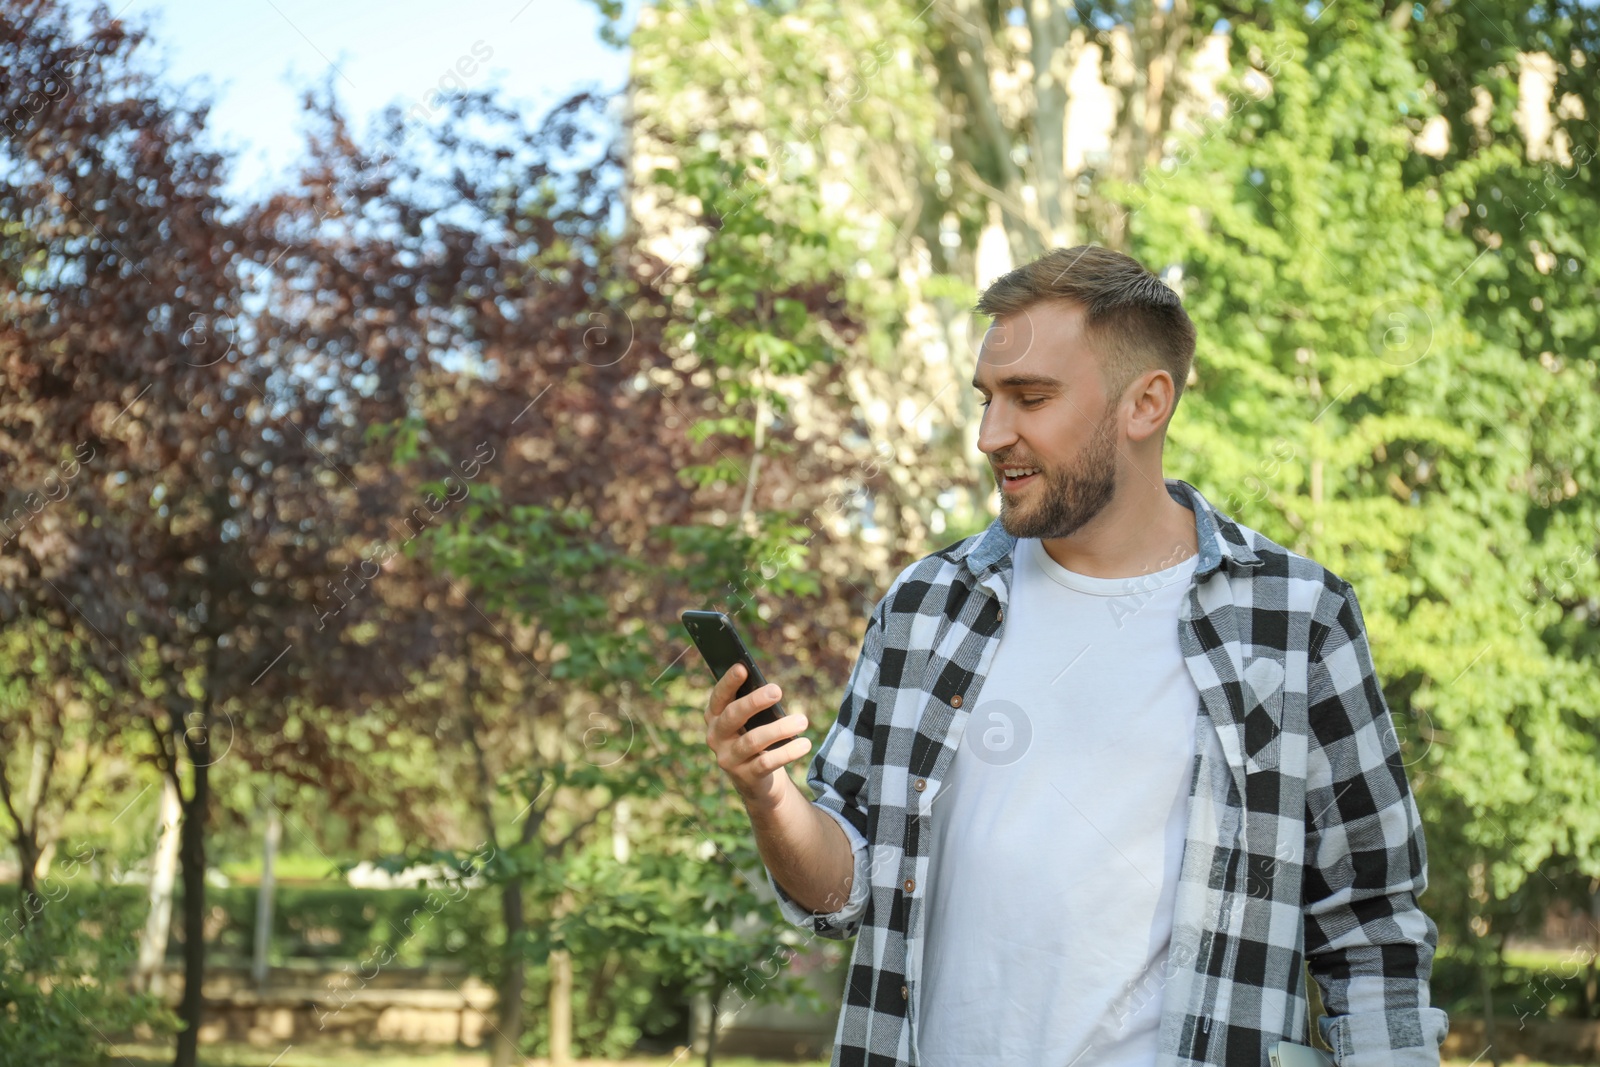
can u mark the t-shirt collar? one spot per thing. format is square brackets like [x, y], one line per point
[1219, 538]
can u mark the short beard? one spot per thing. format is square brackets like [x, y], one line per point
[1070, 498]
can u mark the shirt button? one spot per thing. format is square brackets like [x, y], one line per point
[905, 992]
[920, 784]
[1000, 615]
[911, 885]
[955, 701]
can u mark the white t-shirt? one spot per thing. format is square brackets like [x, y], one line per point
[1059, 829]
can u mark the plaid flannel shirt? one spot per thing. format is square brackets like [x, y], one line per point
[1303, 842]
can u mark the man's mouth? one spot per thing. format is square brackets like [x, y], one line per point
[1017, 477]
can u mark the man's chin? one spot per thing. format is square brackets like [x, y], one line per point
[1015, 521]
[1028, 519]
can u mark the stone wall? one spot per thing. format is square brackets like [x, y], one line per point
[413, 1006]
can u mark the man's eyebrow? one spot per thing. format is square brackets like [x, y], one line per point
[1024, 381]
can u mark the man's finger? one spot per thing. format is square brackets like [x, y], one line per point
[722, 692]
[757, 740]
[735, 714]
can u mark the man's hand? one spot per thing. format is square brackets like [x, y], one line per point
[756, 773]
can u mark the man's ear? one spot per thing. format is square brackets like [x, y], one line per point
[1152, 394]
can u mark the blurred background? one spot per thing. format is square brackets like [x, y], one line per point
[381, 381]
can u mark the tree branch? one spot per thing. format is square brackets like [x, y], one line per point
[555, 848]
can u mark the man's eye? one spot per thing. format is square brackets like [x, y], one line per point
[1033, 401]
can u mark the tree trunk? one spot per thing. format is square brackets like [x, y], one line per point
[193, 851]
[621, 820]
[149, 974]
[1486, 985]
[1591, 987]
[749, 497]
[28, 879]
[699, 1028]
[560, 1007]
[559, 964]
[269, 851]
[47, 856]
[513, 977]
[505, 1048]
[968, 29]
[1052, 54]
[711, 1028]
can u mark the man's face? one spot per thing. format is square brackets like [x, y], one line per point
[1046, 408]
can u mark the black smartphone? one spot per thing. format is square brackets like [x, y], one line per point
[719, 642]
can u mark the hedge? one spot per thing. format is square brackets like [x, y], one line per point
[321, 922]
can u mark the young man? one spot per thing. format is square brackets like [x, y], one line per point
[1108, 773]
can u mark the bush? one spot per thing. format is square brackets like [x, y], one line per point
[63, 978]
[341, 922]
[326, 922]
[1523, 989]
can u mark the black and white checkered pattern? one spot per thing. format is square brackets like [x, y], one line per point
[1303, 841]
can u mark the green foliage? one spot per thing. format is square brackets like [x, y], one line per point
[749, 314]
[617, 1000]
[534, 562]
[1389, 383]
[765, 304]
[762, 306]
[403, 434]
[1558, 988]
[686, 909]
[345, 923]
[62, 994]
[331, 923]
[1397, 376]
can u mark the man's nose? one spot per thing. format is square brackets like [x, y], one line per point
[994, 430]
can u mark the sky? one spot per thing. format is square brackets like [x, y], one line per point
[253, 59]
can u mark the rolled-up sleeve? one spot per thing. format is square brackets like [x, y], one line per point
[839, 777]
[1369, 945]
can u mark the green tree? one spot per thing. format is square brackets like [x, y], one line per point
[57, 716]
[1389, 382]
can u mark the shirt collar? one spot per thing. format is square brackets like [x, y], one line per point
[1219, 538]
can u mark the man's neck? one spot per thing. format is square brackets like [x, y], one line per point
[1131, 537]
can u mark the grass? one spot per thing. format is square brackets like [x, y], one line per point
[338, 1056]
[312, 1056]
[1535, 959]
[293, 1056]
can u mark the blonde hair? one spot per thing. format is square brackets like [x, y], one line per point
[1134, 318]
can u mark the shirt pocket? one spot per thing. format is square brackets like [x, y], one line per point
[1264, 677]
